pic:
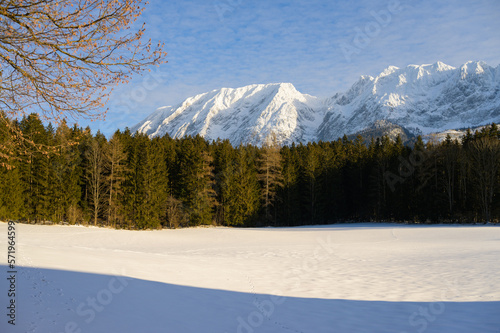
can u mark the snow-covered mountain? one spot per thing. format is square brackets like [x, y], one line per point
[247, 114]
[422, 99]
[415, 100]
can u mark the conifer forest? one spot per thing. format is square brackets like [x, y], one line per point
[131, 181]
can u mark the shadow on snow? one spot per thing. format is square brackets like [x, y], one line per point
[55, 301]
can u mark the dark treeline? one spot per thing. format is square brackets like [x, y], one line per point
[131, 181]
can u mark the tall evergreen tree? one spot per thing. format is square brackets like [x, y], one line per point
[224, 168]
[133, 189]
[243, 190]
[269, 167]
[153, 206]
[11, 185]
[34, 168]
[65, 165]
[290, 192]
[196, 180]
[310, 173]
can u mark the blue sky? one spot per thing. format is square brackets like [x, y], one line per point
[322, 47]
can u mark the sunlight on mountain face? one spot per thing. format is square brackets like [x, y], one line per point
[420, 99]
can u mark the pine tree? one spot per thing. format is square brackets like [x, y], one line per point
[290, 192]
[243, 190]
[196, 180]
[224, 168]
[34, 168]
[133, 189]
[146, 183]
[11, 186]
[310, 173]
[154, 204]
[205, 197]
[353, 176]
[385, 177]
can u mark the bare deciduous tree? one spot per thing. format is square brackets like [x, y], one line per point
[270, 173]
[95, 177]
[115, 159]
[175, 213]
[485, 164]
[62, 58]
[450, 155]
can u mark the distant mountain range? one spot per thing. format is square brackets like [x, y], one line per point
[416, 100]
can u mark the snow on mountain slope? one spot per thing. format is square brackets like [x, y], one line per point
[247, 114]
[421, 99]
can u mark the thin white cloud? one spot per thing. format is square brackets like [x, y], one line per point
[231, 43]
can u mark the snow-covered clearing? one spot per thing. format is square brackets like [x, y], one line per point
[339, 278]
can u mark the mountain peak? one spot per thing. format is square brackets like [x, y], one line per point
[244, 114]
[441, 67]
[472, 67]
[420, 99]
[388, 71]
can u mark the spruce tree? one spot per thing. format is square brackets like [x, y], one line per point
[196, 180]
[290, 192]
[34, 168]
[243, 200]
[224, 168]
[310, 175]
[153, 205]
[133, 189]
[11, 185]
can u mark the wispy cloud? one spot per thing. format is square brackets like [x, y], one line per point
[230, 43]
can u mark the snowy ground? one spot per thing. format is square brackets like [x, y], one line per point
[340, 278]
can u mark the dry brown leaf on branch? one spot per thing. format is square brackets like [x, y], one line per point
[61, 59]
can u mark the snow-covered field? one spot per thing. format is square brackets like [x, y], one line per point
[339, 278]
